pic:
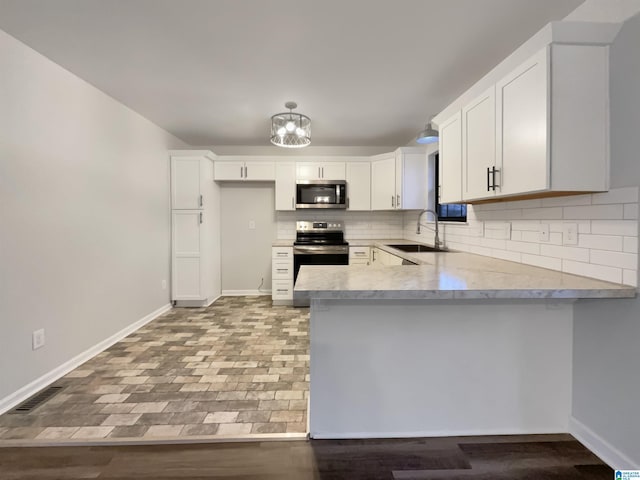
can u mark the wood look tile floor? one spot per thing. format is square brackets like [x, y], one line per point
[238, 367]
[538, 457]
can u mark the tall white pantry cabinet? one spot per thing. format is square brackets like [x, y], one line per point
[195, 229]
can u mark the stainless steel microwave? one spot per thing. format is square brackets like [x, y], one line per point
[321, 194]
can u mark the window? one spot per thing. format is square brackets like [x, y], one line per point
[448, 212]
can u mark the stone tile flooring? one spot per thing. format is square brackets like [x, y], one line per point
[240, 366]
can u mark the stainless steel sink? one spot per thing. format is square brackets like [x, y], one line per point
[414, 248]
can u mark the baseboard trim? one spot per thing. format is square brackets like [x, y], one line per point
[437, 433]
[245, 293]
[600, 447]
[10, 401]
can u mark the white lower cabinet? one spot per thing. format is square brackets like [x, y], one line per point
[282, 275]
[380, 257]
[359, 256]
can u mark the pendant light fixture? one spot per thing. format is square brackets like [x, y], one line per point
[428, 135]
[290, 129]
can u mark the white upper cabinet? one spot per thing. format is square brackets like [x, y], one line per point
[523, 127]
[399, 180]
[450, 169]
[383, 183]
[542, 129]
[358, 185]
[188, 182]
[479, 148]
[236, 170]
[321, 171]
[285, 186]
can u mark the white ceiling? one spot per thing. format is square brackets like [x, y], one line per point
[212, 72]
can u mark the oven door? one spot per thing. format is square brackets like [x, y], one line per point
[317, 255]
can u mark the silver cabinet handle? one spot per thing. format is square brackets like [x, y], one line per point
[397, 201]
[393, 201]
[373, 255]
[348, 202]
[322, 172]
[201, 201]
[241, 170]
[246, 172]
[282, 269]
[282, 290]
[319, 173]
[200, 217]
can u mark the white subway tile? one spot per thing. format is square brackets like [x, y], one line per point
[494, 243]
[528, 236]
[616, 195]
[541, 261]
[631, 211]
[584, 227]
[524, 247]
[513, 214]
[506, 255]
[566, 201]
[533, 225]
[547, 213]
[534, 203]
[555, 238]
[615, 227]
[615, 259]
[593, 212]
[601, 272]
[630, 277]
[601, 242]
[630, 244]
[480, 250]
[570, 253]
[516, 235]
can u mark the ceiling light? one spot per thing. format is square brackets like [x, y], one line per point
[289, 129]
[428, 135]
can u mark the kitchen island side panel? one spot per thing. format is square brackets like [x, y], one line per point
[385, 368]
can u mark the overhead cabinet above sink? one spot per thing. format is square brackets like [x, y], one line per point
[540, 130]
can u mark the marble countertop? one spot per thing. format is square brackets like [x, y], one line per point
[448, 275]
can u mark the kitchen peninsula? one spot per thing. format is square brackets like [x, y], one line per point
[458, 344]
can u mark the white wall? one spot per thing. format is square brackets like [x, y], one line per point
[84, 215]
[607, 333]
[246, 253]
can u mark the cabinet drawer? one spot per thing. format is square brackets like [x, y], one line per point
[282, 289]
[282, 269]
[282, 253]
[359, 253]
[358, 261]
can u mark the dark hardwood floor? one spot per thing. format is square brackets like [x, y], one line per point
[537, 457]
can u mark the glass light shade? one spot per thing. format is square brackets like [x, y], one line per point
[428, 135]
[290, 130]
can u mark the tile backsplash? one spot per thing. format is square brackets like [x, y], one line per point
[538, 232]
[357, 225]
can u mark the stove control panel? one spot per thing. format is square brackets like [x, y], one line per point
[325, 226]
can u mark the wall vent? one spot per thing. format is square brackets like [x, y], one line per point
[38, 399]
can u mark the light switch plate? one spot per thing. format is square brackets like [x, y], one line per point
[570, 234]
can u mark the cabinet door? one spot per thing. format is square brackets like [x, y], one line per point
[333, 171]
[229, 170]
[285, 186]
[308, 171]
[186, 181]
[411, 180]
[479, 147]
[264, 171]
[383, 184]
[522, 127]
[187, 244]
[451, 159]
[358, 186]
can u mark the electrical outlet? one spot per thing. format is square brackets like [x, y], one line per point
[543, 231]
[163, 284]
[570, 234]
[252, 224]
[37, 339]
